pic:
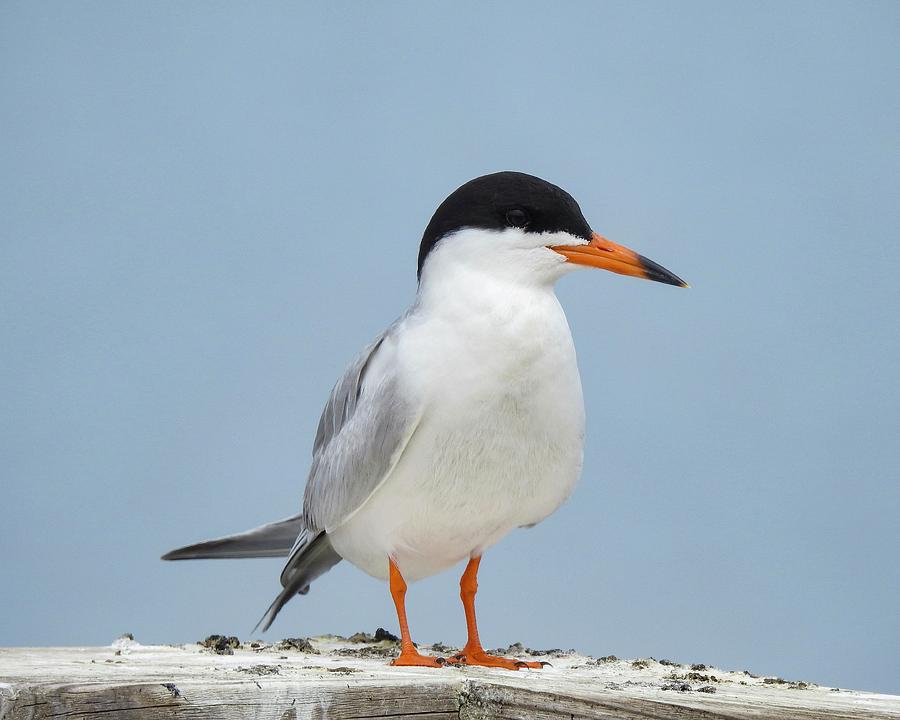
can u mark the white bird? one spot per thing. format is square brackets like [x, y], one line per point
[463, 420]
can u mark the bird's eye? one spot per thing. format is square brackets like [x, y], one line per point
[517, 218]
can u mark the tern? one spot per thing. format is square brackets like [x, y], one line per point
[463, 420]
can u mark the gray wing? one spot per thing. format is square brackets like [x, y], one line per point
[366, 424]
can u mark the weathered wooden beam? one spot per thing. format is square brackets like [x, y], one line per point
[334, 678]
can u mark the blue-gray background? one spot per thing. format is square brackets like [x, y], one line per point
[208, 208]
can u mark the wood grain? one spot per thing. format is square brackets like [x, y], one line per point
[344, 681]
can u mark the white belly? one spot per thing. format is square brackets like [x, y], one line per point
[499, 445]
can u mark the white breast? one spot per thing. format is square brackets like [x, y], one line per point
[500, 441]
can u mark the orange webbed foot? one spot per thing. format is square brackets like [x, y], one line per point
[482, 659]
[414, 659]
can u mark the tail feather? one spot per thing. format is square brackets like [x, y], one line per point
[274, 539]
[309, 559]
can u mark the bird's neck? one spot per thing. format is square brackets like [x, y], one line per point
[463, 289]
[484, 337]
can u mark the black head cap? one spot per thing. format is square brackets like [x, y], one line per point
[502, 200]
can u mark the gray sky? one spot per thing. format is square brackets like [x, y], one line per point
[208, 208]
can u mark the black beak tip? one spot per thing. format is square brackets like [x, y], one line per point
[657, 273]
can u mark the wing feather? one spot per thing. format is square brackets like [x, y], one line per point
[366, 424]
[271, 540]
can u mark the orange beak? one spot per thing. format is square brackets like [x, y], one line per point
[603, 253]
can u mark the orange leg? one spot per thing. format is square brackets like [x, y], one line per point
[408, 653]
[473, 653]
